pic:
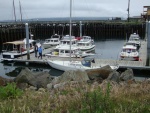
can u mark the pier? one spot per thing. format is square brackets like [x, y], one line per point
[98, 30]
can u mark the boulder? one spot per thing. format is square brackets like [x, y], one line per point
[127, 75]
[72, 75]
[4, 81]
[100, 73]
[24, 76]
[114, 76]
[41, 80]
[38, 80]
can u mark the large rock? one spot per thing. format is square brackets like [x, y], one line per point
[41, 80]
[71, 75]
[114, 76]
[24, 76]
[4, 81]
[100, 73]
[35, 79]
[127, 75]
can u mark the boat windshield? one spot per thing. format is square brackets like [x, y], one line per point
[55, 36]
[129, 50]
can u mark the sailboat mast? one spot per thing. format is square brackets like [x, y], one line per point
[128, 9]
[80, 29]
[70, 25]
[14, 10]
[20, 10]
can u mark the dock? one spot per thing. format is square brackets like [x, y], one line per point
[100, 62]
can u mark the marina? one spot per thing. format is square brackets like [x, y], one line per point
[100, 61]
[77, 56]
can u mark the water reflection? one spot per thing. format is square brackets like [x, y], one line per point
[11, 70]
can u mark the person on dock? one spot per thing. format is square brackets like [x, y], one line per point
[40, 52]
[35, 50]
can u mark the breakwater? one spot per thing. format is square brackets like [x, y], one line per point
[97, 30]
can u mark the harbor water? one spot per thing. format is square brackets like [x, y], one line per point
[108, 49]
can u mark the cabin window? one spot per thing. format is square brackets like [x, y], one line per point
[47, 41]
[67, 51]
[55, 40]
[124, 50]
[30, 45]
[61, 51]
[55, 36]
[79, 44]
[133, 50]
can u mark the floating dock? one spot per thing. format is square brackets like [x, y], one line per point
[101, 62]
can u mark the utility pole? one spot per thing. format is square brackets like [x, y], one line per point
[128, 10]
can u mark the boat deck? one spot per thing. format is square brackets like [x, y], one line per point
[100, 62]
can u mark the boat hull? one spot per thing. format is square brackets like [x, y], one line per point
[12, 55]
[63, 66]
[74, 65]
[129, 58]
[87, 49]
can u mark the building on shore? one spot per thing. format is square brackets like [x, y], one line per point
[146, 13]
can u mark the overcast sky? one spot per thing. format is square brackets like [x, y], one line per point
[80, 8]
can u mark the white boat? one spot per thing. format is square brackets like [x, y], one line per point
[129, 52]
[135, 38]
[86, 43]
[85, 64]
[15, 49]
[53, 41]
[64, 51]
[67, 40]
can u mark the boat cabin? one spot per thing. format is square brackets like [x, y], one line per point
[16, 48]
[66, 40]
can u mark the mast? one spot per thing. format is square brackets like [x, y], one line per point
[80, 28]
[14, 10]
[70, 25]
[20, 10]
[128, 9]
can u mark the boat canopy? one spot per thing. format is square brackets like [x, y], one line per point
[87, 61]
[30, 41]
[15, 42]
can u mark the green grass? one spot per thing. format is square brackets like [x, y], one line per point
[81, 98]
[10, 91]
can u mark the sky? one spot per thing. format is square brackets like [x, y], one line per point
[34, 9]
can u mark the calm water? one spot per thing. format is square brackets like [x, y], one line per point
[104, 50]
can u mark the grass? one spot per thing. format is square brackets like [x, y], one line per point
[82, 98]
